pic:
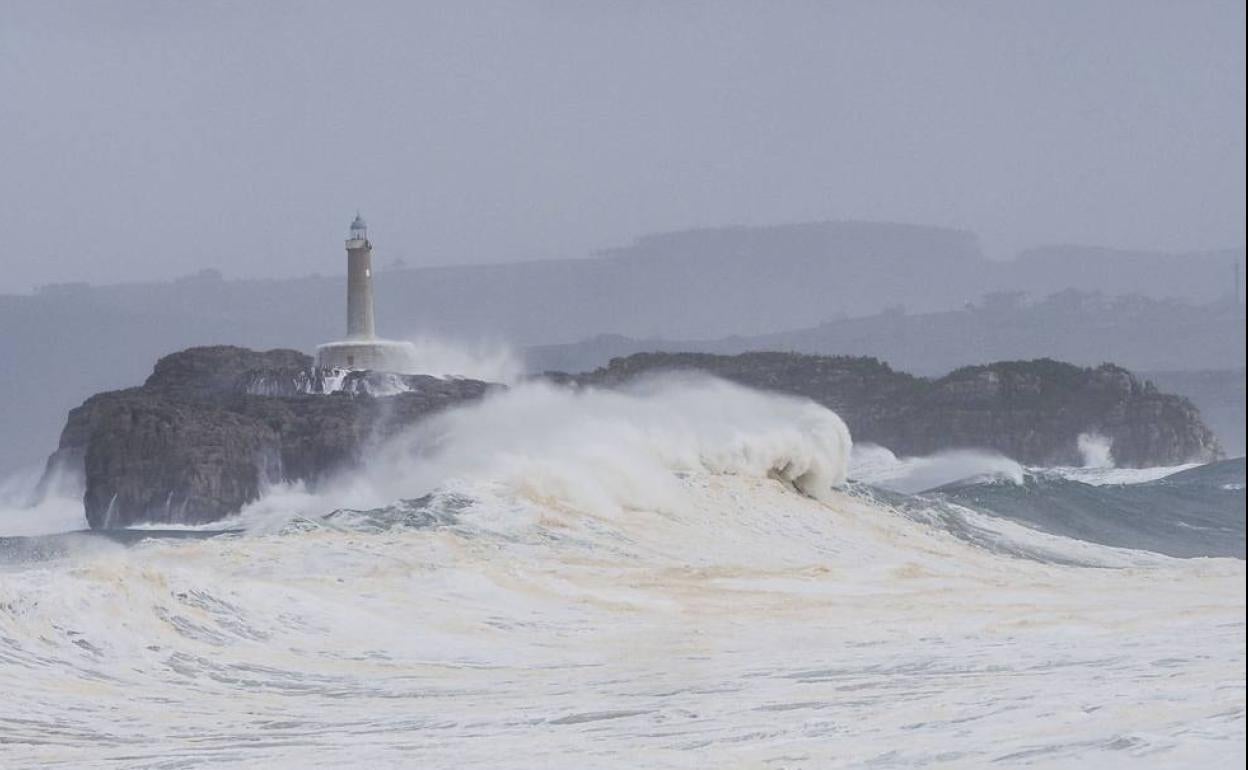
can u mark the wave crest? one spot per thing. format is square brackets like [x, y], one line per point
[597, 450]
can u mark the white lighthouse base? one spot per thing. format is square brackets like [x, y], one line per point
[373, 355]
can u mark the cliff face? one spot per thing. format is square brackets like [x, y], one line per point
[212, 426]
[1218, 394]
[1032, 411]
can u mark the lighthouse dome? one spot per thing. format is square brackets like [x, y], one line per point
[358, 223]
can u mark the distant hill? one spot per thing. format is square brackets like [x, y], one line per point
[1198, 276]
[1085, 328]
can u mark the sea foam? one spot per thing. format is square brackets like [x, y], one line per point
[599, 450]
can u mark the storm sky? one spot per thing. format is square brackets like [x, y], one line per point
[145, 139]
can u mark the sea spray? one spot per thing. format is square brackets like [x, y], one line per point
[35, 502]
[1097, 450]
[487, 360]
[597, 450]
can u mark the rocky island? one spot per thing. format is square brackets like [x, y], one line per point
[212, 426]
[1032, 411]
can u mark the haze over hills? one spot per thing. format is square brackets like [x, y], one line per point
[1086, 328]
[1201, 276]
[832, 279]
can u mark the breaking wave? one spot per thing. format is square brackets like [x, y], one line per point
[676, 575]
[597, 450]
[878, 465]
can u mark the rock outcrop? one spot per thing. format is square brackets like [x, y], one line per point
[1032, 411]
[212, 426]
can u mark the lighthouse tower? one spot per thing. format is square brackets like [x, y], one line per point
[360, 325]
[361, 349]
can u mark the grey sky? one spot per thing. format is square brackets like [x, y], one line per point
[146, 138]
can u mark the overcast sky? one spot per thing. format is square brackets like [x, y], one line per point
[151, 139]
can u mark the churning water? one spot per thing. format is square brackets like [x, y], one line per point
[663, 577]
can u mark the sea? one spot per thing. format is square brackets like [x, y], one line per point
[681, 574]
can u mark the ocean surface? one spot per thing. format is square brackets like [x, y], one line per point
[685, 575]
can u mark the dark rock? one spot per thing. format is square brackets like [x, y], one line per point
[213, 426]
[1032, 411]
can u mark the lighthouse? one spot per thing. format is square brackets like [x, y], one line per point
[360, 324]
[361, 349]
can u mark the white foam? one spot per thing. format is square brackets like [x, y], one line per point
[751, 627]
[1105, 476]
[877, 465]
[873, 464]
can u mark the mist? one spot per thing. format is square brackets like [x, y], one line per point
[145, 141]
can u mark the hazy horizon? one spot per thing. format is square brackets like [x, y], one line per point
[146, 141]
[388, 262]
